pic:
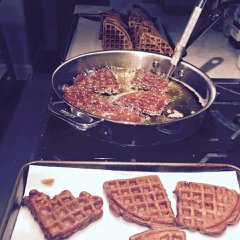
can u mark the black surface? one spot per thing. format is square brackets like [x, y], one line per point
[10, 93]
[211, 143]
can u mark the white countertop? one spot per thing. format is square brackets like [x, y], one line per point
[211, 52]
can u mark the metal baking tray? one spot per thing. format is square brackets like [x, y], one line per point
[17, 194]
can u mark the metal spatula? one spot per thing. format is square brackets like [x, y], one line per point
[179, 49]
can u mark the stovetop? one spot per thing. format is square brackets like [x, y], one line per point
[217, 140]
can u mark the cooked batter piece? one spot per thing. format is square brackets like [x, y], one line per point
[142, 200]
[164, 233]
[207, 208]
[64, 214]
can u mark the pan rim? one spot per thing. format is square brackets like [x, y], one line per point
[210, 100]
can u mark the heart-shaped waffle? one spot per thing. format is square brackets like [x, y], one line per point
[64, 214]
[115, 34]
[164, 233]
[207, 208]
[142, 200]
[152, 42]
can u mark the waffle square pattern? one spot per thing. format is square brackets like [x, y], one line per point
[207, 208]
[162, 233]
[64, 214]
[142, 200]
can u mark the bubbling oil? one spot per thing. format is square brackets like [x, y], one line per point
[184, 101]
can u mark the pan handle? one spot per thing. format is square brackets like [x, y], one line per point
[79, 120]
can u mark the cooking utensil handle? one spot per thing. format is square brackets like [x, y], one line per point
[179, 49]
[81, 121]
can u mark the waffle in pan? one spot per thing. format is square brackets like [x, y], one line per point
[207, 208]
[64, 214]
[148, 81]
[142, 200]
[147, 102]
[164, 233]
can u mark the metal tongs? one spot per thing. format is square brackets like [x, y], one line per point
[180, 47]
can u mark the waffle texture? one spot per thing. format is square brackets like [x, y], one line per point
[64, 214]
[110, 14]
[147, 102]
[148, 81]
[114, 33]
[152, 42]
[166, 233]
[142, 200]
[144, 33]
[207, 208]
[137, 31]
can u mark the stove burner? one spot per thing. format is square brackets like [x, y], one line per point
[226, 115]
[217, 140]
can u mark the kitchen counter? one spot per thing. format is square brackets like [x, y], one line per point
[211, 52]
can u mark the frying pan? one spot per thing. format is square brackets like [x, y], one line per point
[126, 133]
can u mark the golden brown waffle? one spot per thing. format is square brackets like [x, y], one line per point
[63, 215]
[137, 17]
[166, 233]
[143, 26]
[144, 33]
[111, 14]
[114, 34]
[152, 42]
[142, 200]
[207, 208]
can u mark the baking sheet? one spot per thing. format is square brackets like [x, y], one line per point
[91, 180]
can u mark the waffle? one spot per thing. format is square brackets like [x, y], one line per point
[144, 33]
[142, 200]
[166, 233]
[152, 42]
[111, 14]
[206, 207]
[148, 81]
[63, 215]
[147, 102]
[114, 34]
[101, 81]
[138, 17]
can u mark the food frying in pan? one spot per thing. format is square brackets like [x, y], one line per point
[138, 96]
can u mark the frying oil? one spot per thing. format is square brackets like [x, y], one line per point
[184, 101]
